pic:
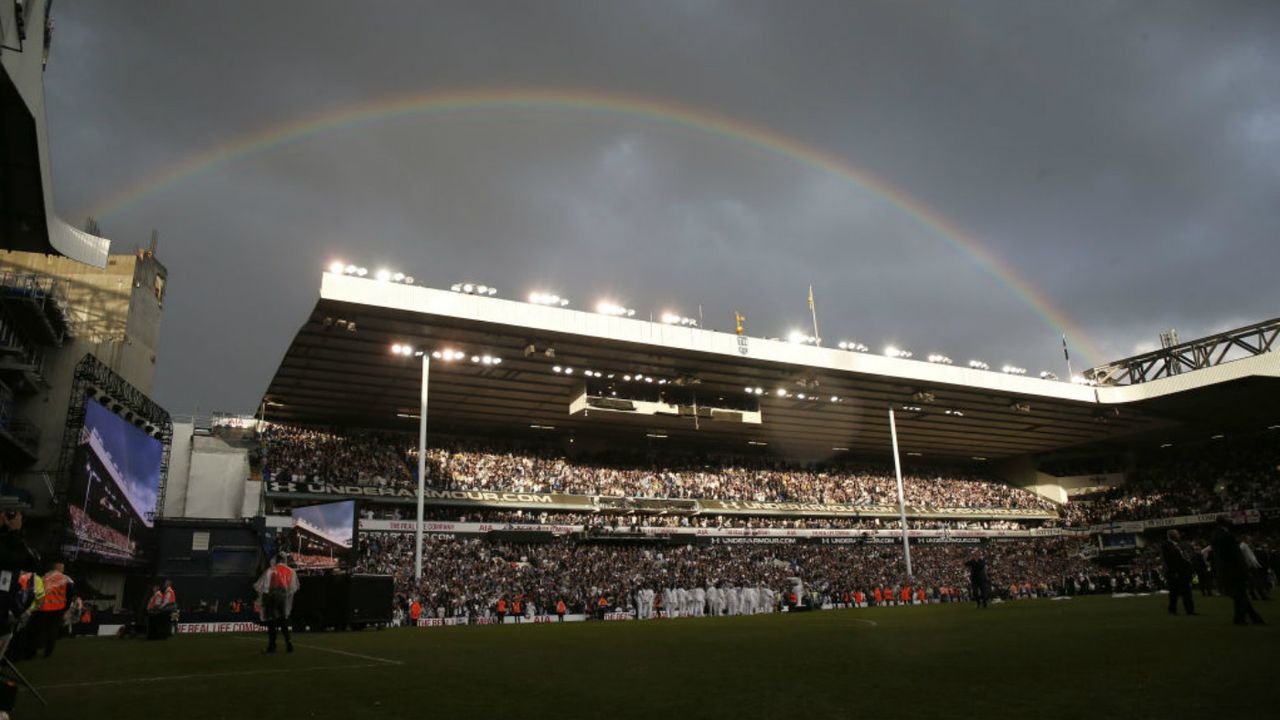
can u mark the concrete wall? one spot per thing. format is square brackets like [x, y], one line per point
[1022, 472]
[175, 494]
[209, 479]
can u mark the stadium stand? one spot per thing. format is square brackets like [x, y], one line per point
[379, 459]
[628, 557]
[1226, 475]
[622, 522]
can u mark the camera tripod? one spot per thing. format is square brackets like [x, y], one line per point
[17, 674]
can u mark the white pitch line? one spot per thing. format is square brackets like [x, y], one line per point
[872, 623]
[195, 676]
[384, 661]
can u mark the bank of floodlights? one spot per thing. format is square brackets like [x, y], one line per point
[541, 298]
[799, 337]
[938, 359]
[674, 319]
[473, 289]
[895, 352]
[852, 346]
[606, 307]
[1013, 370]
[979, 365]
[337, 267]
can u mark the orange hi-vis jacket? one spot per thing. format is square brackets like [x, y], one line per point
[415, 610]
[502, 606]
[55, 592]
[875, 593]
[281, 578]
[559, 607]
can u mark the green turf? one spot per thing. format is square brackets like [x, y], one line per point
[1091, 657]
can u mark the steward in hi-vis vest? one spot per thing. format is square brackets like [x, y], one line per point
[276, 589]
[46, 623]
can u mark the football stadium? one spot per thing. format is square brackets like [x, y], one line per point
[460, 501]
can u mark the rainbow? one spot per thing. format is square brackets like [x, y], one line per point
[659, 111]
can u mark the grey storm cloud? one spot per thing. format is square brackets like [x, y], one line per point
[1123, 159]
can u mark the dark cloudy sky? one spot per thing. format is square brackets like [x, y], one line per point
[1121, 157]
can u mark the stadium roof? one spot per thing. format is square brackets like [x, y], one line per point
[340, 370]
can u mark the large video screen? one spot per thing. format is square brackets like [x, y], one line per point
[323, 535]
[114, 485]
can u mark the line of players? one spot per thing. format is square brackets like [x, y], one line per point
[716, 601]
[700, 602]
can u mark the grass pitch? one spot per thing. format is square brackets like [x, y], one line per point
[1086, 657]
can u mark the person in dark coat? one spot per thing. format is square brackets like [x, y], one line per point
[1232, 572]
[15, 557]
[978, 580]
[1201, 565]
[1177, 571]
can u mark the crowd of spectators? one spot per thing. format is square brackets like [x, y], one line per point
[719, 478]
[1225, 475]
[362, 458]
[469, 577]
[382, 459]
[623, 522]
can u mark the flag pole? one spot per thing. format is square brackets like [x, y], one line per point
[1067, 356]
[813, 310]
